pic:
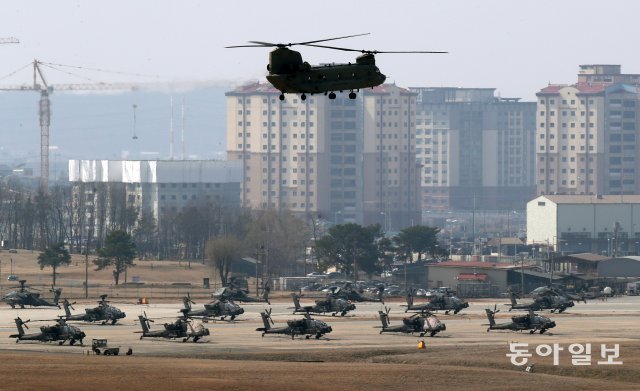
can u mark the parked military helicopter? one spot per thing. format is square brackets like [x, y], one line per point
[331, 305]
[60, 332]
[181, 328]
[289, 74]
[103, 312]
[217, 308]
[416, 323]
[23, 297]
[440, 301]
[347, 292]
[530, 321]
[552, 303]
[306, 326]
[554, 292]
[234, 293]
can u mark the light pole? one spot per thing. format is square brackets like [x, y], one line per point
[335, 216]
[450, 221]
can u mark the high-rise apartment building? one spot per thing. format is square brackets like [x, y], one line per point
[587, 137]
[475, 149]
[326, 157]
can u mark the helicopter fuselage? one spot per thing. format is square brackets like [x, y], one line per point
[289, 74]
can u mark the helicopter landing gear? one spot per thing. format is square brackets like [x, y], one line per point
[332, 95]
[303, 97]
[352, 95]
[281, 97]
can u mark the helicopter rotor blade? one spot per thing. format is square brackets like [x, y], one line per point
[376, 51]
[282, 45]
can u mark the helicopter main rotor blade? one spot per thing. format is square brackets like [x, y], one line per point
[329, 39]
[282, 45]
[374, 51]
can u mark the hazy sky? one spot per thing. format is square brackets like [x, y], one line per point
[514, 46]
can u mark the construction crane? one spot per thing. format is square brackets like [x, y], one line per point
[9, 40]
[44, 106]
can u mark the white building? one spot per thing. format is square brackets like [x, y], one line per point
[606, 224]
[160, 186]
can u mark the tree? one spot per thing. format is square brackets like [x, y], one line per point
[54, 256]
[119, 251]
[221, 252]
[418, 239]
[349, 246]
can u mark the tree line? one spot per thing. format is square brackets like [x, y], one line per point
[83, 219]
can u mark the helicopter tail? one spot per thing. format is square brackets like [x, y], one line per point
[384, 318]
[513, 299]
[296, 302]
[56, 298]
[144, 323]
[492, 321]
[265, 293]
[66, 306]
[410, 298]
[19, 325]
[266, 319]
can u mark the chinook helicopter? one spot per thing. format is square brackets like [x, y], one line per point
[422, 324]
[530, 321]
[217, 308]
[306, 326]
[182, 328]
[332, 305]
[289, 74]
[103, 312]
[60, 332]
[23, 297]
[440, 301]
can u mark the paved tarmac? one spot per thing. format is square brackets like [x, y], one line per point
[613, 321]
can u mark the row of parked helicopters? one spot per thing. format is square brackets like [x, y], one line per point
[339, 301]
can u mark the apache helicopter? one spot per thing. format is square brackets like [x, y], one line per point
[234, 293]
[289, 74]
[530, 321]
[306, 326]
[552, 303]
[440, 302]
[416, 323]
[330, 304]
[23, 297]
[181, 328]
[347, 292]
[217, 308]
[553, 292]
[60, 332]
[103, 312]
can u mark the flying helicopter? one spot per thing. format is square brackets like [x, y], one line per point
[440, 301]
[103, 312]
[548, 302]
[289, 74]
[306, 326]
[331, 304]
[24, 297]
[422, 324]
[530, 321]
[60, 332]
[182, 328]
[217, 308]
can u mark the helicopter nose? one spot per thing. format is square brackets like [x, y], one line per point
[241, 311]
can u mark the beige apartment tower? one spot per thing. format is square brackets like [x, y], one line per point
[587, 134]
